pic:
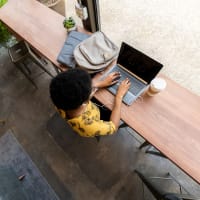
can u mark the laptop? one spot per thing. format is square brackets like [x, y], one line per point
[138, 67]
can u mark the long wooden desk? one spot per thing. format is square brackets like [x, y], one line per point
[37, 24]
[170, 120]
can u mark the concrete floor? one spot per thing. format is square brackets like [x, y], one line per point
[82, 169]
[76, 169]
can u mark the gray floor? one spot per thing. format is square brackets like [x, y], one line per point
[76, 169]
[82, 169]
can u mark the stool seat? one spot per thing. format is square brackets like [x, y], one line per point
[161, 191]
[20, 53]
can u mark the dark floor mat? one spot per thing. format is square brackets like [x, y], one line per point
[12, 155]
[11, 186]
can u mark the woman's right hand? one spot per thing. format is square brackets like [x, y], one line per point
[123, 88]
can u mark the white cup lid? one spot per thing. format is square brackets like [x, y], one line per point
[159, 83]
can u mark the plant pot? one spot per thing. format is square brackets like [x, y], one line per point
[71, 29]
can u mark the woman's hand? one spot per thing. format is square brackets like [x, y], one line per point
[123, 88]
[109, 80]
[116, 111]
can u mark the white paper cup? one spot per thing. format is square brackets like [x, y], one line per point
[156, 86]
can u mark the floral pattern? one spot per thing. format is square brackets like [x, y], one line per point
[89, 124]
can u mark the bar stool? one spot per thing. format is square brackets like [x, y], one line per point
[151, 149]
[155, 184]
[20, 53]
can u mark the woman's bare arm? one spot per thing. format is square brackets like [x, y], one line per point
[111, 79]
[116, 111]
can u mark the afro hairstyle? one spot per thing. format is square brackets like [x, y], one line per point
[70, 89]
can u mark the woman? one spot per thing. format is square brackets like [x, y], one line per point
[71, 92]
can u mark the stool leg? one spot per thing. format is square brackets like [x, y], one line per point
[39, 63]
[144, 144]
[180, 185]
[122, 125]
[98, 138]
[36, 59]
[28, 70]
[56, 69]
[25, 74]
[155, 153]
[25, 67]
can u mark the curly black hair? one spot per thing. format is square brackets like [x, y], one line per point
[70, 89]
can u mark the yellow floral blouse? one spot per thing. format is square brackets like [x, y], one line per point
[89, 124]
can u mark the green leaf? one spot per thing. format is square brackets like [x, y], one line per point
[69, 22]
[4, 34]
[2, 2]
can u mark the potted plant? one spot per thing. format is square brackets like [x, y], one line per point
[2, 2]
[69, 24]
[5, 35]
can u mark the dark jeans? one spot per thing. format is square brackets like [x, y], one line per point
[105, 112]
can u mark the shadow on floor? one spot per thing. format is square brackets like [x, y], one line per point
[106, 160]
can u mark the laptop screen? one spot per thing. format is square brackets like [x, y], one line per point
[138, 63]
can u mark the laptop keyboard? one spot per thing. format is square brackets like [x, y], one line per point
[136, 85]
